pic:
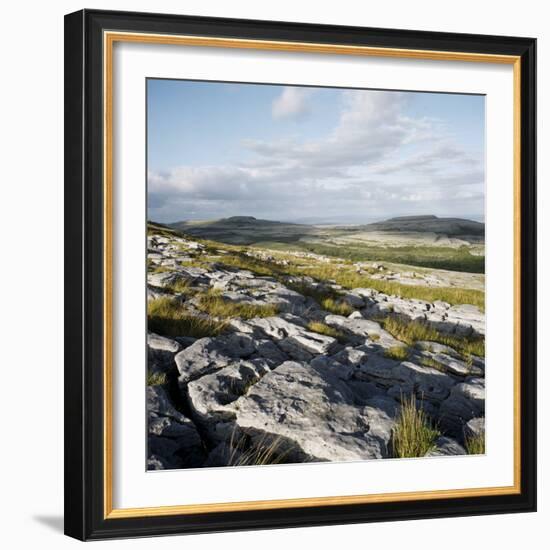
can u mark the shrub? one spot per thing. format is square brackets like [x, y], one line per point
[413, 434]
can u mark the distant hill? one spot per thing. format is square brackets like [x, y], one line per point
[452, 227]
[244, 230]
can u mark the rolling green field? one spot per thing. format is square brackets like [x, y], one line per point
[437, 257]
[460, 249]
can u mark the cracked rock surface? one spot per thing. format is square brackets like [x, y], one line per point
[296, 382]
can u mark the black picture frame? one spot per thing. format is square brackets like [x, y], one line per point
[84, 281]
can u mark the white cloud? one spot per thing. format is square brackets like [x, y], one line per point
[292, 103]
[375, 163]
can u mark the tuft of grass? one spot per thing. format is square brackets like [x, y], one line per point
[430, 362]
[159, 268]
[156, 378]
[413, 434]
[241, 261]
[399, 353]
[411, 332]
[261, 453]
[182, 286]
[217, 306]
[475, 444]
[321, 328]
[336, 307]
[166, 316]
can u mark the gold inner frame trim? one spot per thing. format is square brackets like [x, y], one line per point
[109, 39]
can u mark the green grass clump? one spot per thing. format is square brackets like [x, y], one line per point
[413, 434]
[475, 444]
[321, 328]
[156, 378]
[411, 332]
[159, 268]
[241, 261]
[399, 353]
[182, 286]
[336, 307]
[217, 306]
[166, 316]
[430, 362]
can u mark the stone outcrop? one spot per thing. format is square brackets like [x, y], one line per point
[275, 387]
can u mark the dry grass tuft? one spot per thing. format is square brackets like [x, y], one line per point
[413, 434]
[475, 444]
[166, 316]
[322, 328]
[411, 332]
[217, 306]
[399, 353]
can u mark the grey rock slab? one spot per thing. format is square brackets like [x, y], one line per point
[426, 382]
[455, 366]
[165, 278]
[436, 347]
[351, 356]
[354, 300]
[474, 427]
[270, 352]
[162, 343]
[160, 354]
[311, 342]
[359, 327]
[210, 395]
[446, 446]
[173, 439]
[466, 401]
[212, 353]
[277, 328]
[314, 415]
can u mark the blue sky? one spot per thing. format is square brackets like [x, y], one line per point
[311, 154]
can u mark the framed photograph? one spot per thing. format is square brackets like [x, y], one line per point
[300, 274]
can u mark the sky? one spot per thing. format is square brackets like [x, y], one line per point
[311, 155]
